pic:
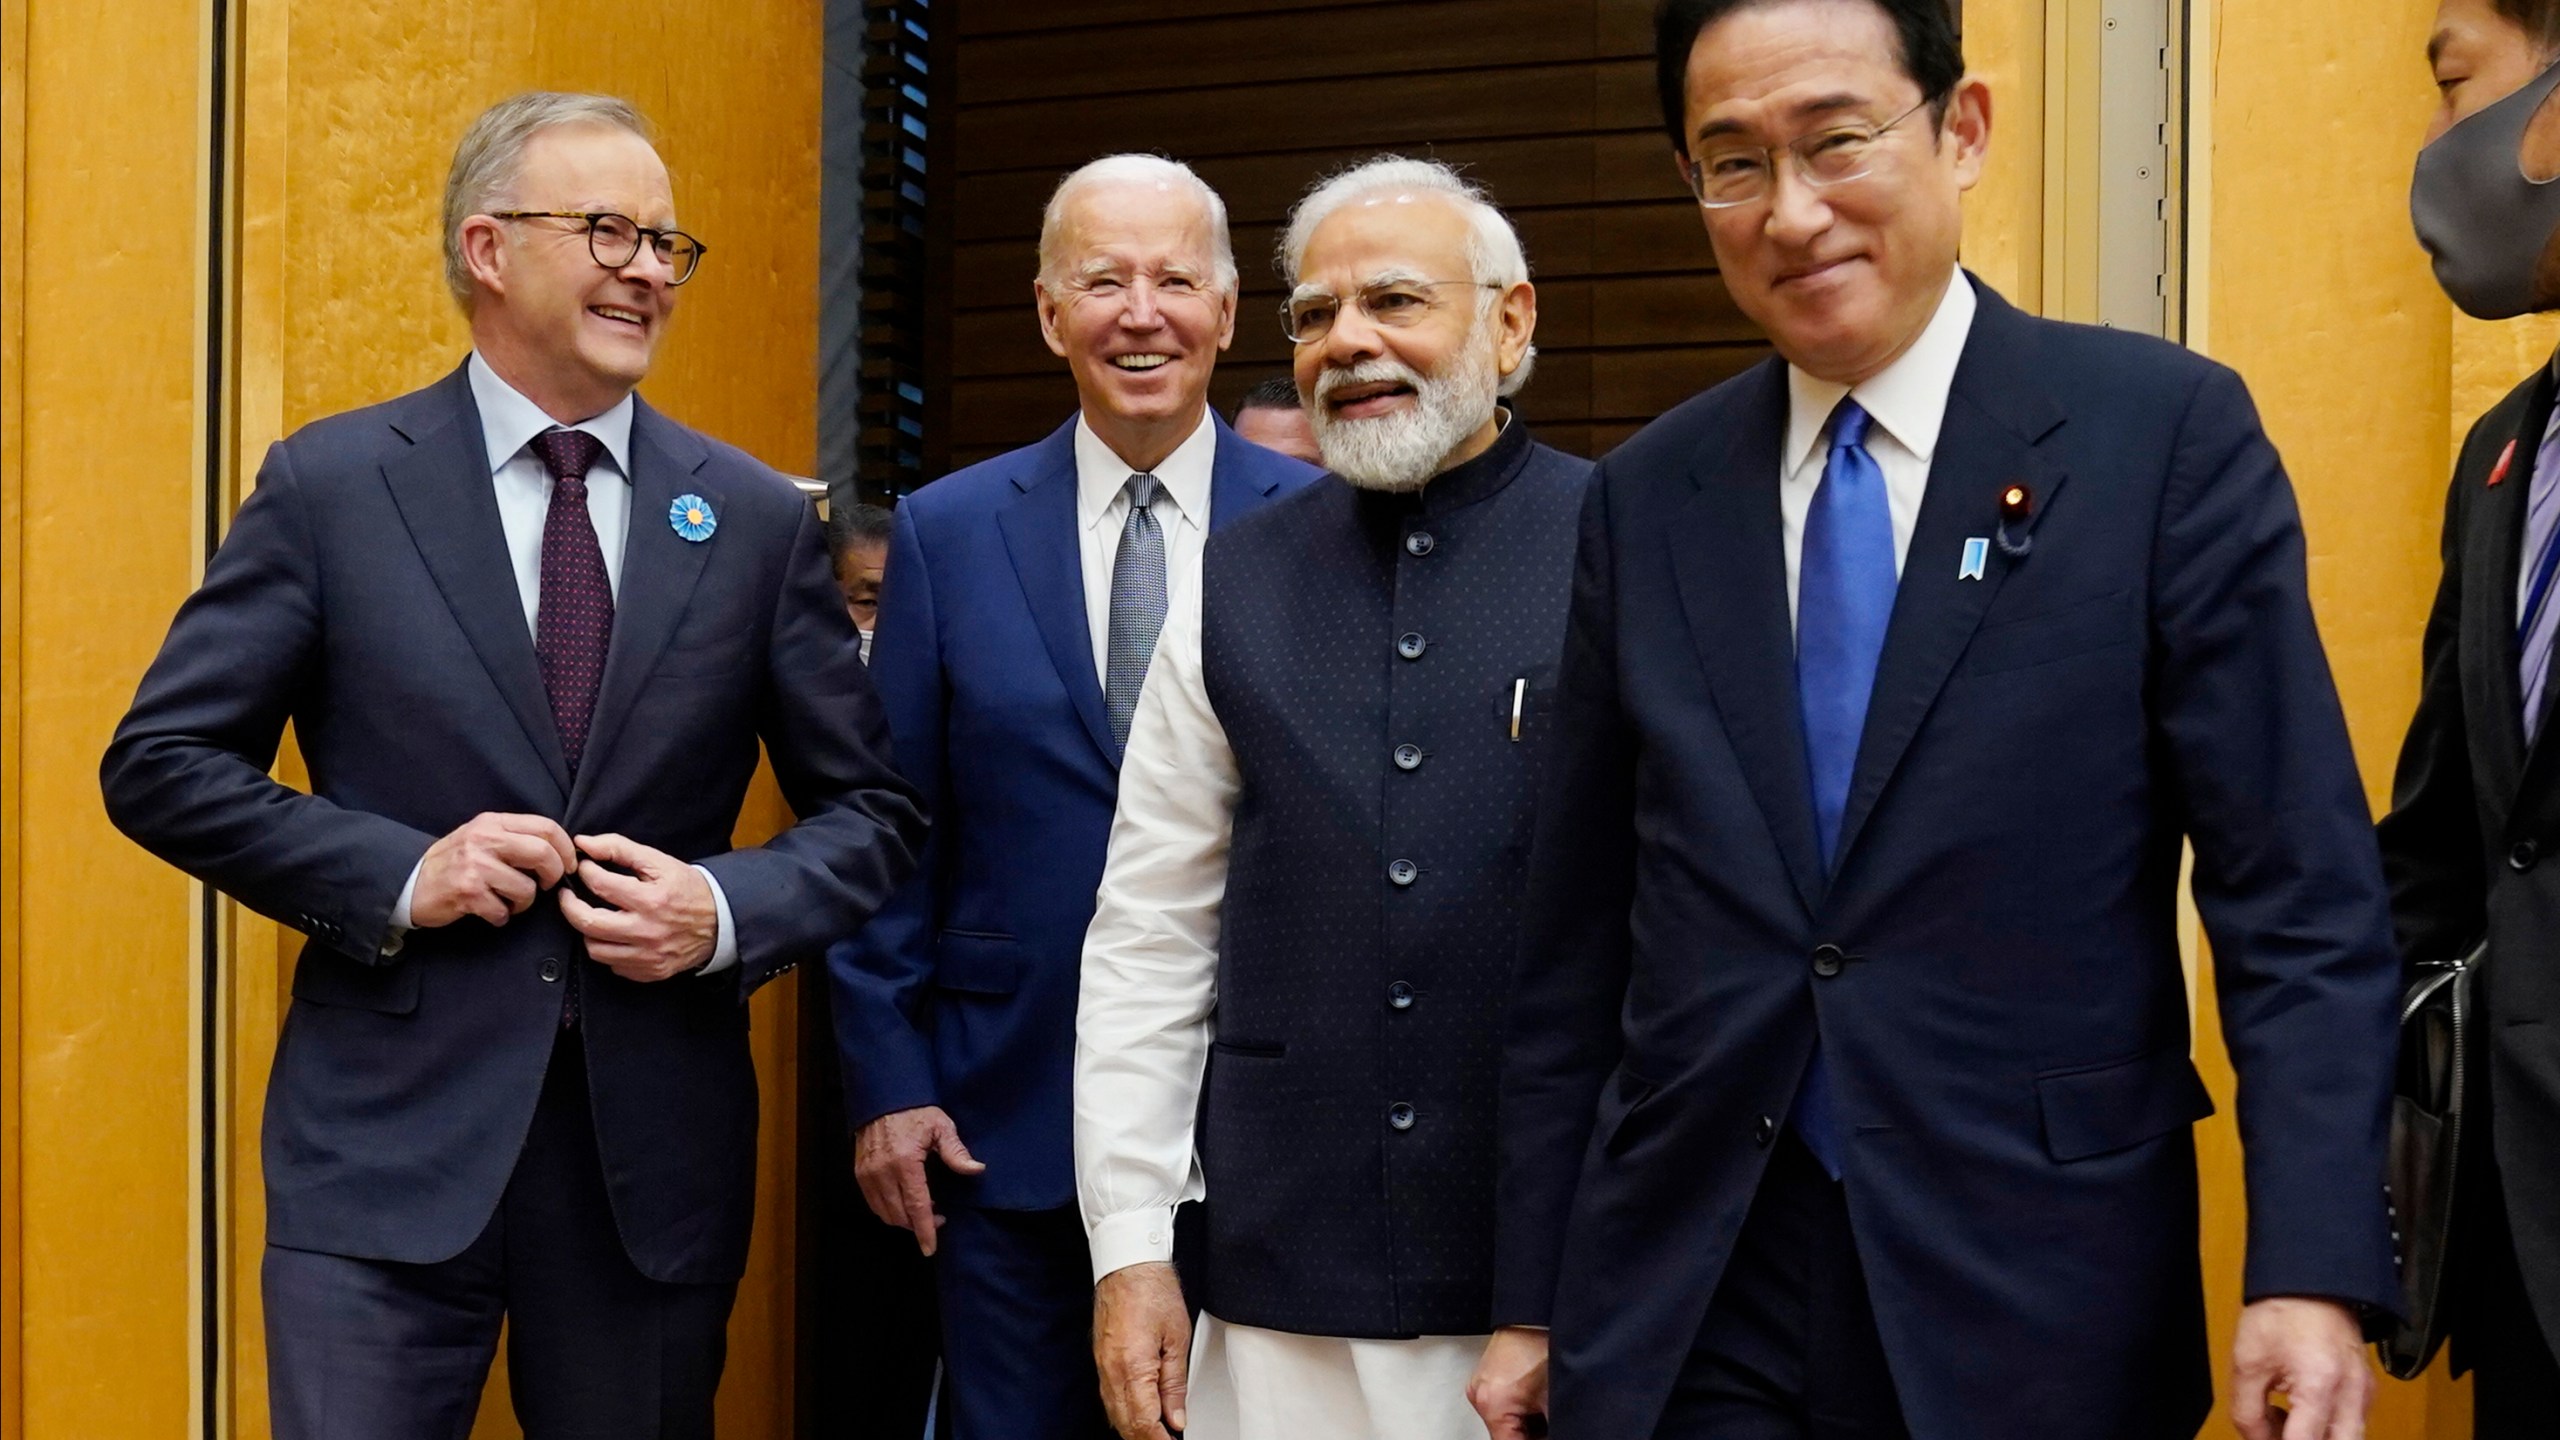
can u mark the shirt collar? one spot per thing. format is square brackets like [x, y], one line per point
[1908, 397]
[508, 421]
[1100, 474]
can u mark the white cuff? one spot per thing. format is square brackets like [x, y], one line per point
[724, 951]
[400, 927]
[1137, 1237]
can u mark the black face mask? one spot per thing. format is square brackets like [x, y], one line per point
[2481, 220]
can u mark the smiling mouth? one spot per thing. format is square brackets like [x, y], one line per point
[1368, 398]
[620, 315]
[1813, 272]
[1140, 364]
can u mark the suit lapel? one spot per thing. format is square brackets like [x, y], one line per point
[1238, 483]
[1728, 560]
[1039, 528]
[1996, 411]
[2498, 535]
[659, 568]
[446, 498]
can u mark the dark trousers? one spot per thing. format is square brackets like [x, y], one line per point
[595, 1349]
[2515, 1385]
[1788, 1350]
[1017, 1326]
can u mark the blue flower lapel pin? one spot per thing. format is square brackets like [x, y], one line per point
[692, 517]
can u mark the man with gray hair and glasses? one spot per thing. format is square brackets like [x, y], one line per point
[1022, 600]
[1294, 982]
[530, 634]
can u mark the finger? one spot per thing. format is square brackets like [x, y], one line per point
[623, 890]
[882, 1194]
[1176, 1384]
[918, 1198]
[612, 926]
[531, 854]
[2249, 1410]
[486, 904]
[956, 1155]
[626, 852]
[2311, 1412]
[514, 888]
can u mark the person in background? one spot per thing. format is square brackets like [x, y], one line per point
[1848, 1087]
[1270, 416]
[1020, 608]
[531, 636]
[2475, 808]
[1314, 879]
[858, 548]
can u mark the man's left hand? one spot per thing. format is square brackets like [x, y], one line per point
[2311, 1352]
[665, 922]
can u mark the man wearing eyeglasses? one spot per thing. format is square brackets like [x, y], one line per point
[1018, 615]
[1847, 1089]
[1294, 981]
[529, 633]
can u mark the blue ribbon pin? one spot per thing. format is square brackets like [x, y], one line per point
[691, 516]
[1977, 553]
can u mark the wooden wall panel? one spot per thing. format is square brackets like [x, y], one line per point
[1549, 103]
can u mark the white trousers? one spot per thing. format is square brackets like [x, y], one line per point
[1251, 1384]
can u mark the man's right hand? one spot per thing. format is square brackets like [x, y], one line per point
[1509, 1390]
[1142, 1346]
[493, 867]
[888, 1162]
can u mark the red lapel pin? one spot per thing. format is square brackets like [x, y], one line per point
[2498, 472]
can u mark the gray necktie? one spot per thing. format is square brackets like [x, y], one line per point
[1137, 604]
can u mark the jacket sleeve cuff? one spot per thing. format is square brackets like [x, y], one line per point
[1137, 1237]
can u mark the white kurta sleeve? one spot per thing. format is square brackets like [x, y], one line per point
[1150, 980]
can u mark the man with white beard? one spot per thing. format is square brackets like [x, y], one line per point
[1294, 982]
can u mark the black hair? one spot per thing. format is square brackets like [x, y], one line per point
[1932, 54]
[852, 525]
[2538, 19]
[1280, 392]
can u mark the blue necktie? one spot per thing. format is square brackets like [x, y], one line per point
[1844, 600]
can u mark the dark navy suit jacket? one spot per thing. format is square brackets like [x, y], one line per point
[1993, 966]
[962, 992]
[364, 594]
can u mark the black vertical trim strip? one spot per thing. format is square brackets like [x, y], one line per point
[209, 1107]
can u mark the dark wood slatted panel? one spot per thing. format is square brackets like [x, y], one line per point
[1549, 103]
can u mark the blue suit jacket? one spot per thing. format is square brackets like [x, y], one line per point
[364, 594]
[962, 992]
[1993, 966]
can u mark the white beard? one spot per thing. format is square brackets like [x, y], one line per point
[1402, 451]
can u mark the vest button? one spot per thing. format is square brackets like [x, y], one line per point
[550, 971]
[1400, 996]
[1408, 757]
[1400, 1116]
[2521, 858]
[1412, 645]
[1764, 1130]
[1826, 960]
[1418, 543]
[1404, 872]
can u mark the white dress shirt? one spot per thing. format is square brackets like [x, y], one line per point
[1102, 508]
[508, 423]
[1908, 402]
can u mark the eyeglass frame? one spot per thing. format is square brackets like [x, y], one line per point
[1290, 304]
[1694, 170]
[644, 238]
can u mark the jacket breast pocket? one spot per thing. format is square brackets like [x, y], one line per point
[325, 977]
[2049, 635]
[974, 962]
[2099, 1109]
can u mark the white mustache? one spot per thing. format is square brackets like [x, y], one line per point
[1367, 372]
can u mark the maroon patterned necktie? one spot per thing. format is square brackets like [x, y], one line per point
[574, 622]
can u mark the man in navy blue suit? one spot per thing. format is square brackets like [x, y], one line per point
[529, 633]
[1021, 605]
[1848, 1089]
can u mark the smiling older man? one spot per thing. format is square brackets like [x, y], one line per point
[1306, 927]
[1022, 600]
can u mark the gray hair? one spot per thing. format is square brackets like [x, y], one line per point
[1142, 170]
[1494, 254]
[491, 156]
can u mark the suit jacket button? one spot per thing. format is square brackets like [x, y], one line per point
[550, 970]
[1408, 757]
[1412, 645]
[2521, 858]
[1400, 1116]
[1764, 1130]
[1404, 872]
[1826, 960]
[1400, 996]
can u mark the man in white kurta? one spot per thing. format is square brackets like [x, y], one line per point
[1293, 982]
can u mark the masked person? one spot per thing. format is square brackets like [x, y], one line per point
[1294, 983]
[2476, 803]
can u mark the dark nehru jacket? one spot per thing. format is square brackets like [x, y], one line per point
[1365, 654]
